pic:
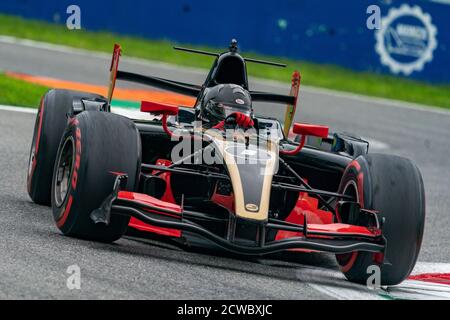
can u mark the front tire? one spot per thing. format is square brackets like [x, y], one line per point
[96, 147]
[51, 120]
[392, 186]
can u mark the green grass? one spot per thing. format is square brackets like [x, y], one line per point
[326, 76]
[20, 93]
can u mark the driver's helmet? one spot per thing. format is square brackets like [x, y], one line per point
[222, 100]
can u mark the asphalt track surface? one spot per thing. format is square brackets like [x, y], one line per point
[34, 256]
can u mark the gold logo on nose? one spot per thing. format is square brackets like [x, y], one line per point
[251, 207]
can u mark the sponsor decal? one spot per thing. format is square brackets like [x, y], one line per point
[251, 207]
[406, 40]
[249, 154]
[77, 158]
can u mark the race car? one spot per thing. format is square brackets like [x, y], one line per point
[216, 175]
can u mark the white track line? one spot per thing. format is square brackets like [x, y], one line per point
[126, 112]
[431, 267]
[174, 68]
[18, 109]
[334, 284]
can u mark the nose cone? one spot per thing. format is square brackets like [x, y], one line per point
[251, 167]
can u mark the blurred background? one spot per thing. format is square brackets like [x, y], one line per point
[326, 31]
[388, 48]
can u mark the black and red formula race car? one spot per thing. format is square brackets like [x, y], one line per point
[242, 186]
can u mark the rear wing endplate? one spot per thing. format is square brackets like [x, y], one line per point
[292, 106]
[113, 69]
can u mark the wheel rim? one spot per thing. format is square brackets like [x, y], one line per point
[63, 174]
[351, 189]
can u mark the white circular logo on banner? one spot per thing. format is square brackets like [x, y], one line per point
[406, 40]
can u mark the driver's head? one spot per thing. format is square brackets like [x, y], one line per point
[222, 100]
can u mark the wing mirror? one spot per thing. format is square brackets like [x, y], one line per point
[306, 129]
[160, 108]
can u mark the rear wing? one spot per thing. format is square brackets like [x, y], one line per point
[174, 86]
[233, 47]
[194, 90]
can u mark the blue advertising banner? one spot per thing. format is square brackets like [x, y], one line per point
[413, 38]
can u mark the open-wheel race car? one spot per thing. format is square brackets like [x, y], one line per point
[215, 175]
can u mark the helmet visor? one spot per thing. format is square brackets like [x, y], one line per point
[221, 110]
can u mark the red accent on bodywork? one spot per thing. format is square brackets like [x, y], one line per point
[311, 130]
[341, 228]
[226, 201]
[166, 127]
[441, 278]
[149, 200]
[296, 150]
[166, 176]
[63, 218]
[305, 130]
[220, 125]
[117, 173]
[308, 206]
[166, 198]
[159, 108]
[139, 225]
[318, 221]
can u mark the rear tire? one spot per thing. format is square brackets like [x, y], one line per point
[51, 120]
[95, 147]
[392, 186]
